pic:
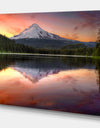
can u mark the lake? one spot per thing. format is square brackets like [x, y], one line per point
[69, 84]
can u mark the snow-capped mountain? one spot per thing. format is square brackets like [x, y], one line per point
[35, 32]
[36, 37]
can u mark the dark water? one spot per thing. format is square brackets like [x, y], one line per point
[69, 84]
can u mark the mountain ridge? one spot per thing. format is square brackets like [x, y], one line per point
[36, 32]
[36, 37]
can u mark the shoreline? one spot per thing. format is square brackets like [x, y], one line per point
[31, 54]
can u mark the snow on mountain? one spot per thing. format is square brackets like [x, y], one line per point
[35, 74]
[34, 31]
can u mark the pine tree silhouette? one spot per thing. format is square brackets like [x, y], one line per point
[98, 35]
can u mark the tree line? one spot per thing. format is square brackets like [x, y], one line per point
[8, 45]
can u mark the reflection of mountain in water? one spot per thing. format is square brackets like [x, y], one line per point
[39, 67]
[68, 90]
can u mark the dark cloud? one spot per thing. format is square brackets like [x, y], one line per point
[76, 28]
[91, 19]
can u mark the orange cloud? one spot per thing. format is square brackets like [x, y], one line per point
[12, 24]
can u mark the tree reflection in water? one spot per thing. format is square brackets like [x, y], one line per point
[56, 83]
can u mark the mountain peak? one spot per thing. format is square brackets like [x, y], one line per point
[35, 26]
[36, 32]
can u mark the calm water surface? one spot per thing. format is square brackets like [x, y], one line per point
[67, 84]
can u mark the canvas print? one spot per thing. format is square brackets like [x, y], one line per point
[51, 61]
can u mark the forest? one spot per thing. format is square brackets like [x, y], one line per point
[9, 46]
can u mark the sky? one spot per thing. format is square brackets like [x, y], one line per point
[82, 26]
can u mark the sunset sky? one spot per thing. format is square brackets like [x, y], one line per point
[80, 26]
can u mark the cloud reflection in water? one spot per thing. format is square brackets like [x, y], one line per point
[70, 90]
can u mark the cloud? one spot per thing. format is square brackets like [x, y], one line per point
[12, 24]
[75, 36]
[91, 19]
[76, 28]
[14, 30]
